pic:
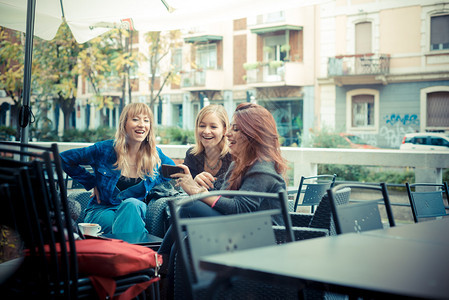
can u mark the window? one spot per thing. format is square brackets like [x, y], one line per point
[272, 47]
[439, 32]
[206, 56]
[288, 116]
[278, 16]
[438, 109]
[177, 60]
[362, 110]
[421, 140]
[436, 141]
[363, 39]
[155, 68]
[434, 108]
[177, 115]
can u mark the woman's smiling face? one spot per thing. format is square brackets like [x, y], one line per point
[210, 131]
[236, 139]
[137, 128]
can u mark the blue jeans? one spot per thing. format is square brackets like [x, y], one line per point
[126, 217]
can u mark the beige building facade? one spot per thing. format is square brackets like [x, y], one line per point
[375, 68]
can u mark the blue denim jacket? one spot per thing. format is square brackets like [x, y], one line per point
[101, 156]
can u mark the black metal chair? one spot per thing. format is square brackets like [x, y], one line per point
[427, 200]
[198, 237]
[41, 216]
[312, 189]
[360, 215]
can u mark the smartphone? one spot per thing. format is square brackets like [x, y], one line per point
[168, 170]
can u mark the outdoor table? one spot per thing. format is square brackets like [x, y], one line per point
[435, 231]
[371, 264]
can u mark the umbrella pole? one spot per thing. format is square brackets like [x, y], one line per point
[25, 111]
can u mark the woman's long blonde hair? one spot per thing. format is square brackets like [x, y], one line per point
[147, 156]
[222, 115]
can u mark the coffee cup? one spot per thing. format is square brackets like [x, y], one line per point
[91, 229]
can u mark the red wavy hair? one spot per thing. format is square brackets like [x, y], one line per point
[257, 124]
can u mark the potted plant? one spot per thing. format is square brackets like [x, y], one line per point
[268, 49]
[274, 64]
[251, 65]
[285, 48]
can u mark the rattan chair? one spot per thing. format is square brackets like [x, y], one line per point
[311, 190]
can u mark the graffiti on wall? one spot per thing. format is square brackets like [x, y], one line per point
[406, 119]
[396, 126]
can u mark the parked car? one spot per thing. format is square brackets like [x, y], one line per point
[425, 141]
[356, 142]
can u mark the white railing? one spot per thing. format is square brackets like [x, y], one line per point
[428, 166]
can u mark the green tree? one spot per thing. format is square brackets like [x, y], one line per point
[159, 46]
[94, 63]
[56, 62]
[125, 61]
[11, 69]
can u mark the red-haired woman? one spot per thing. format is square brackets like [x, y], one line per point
[257, 166]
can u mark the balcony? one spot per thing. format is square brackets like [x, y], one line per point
[111, 85]
[200, 80]
[359, 68]
[274, 73]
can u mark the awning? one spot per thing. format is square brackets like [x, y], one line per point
[262, 30]
[203, 39]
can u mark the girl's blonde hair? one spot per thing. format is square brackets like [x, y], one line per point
[222, 115]
[147, 156]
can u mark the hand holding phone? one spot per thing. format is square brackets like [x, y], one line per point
[168, 170]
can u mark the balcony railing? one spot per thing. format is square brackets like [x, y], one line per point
[275, 73]
[202, 79]
[265, 74]
[359, 64]
[111, 85]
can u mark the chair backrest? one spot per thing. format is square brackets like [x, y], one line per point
[313, 189]
[426, 199]
[227, 233]
[323, 217]
[83, 198]
[360, 215]
[42, 219]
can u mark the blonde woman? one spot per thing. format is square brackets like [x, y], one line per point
[209, 159]
[125, 171]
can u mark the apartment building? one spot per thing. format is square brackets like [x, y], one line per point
[384, 68]
[375, 68]
[269, 59]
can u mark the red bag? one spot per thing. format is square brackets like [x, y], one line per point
[112, 258]
[103, 259]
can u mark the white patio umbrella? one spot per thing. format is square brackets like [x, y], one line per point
[90, 18]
